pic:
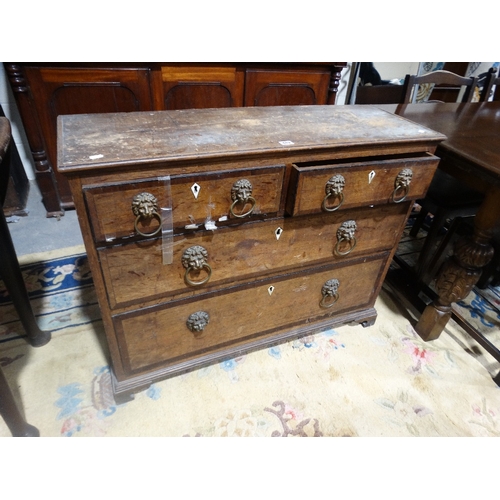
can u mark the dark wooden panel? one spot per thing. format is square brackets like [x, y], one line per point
[286, 88]
[194, 87]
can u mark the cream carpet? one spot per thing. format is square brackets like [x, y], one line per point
[351, 381]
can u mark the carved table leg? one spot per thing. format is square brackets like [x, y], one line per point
[462, 271]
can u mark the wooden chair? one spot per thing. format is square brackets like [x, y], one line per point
[444, 83]
[447, 198]
[492, 80]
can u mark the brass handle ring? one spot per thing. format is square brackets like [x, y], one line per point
[194, 259]
[325, 303]
[250, 199]
[329, 293]
[347, 252]
[404, 190]
[189, 281]
[402, 184]
[335, 195]
[154, 215]
[334, 188]
[346, 232]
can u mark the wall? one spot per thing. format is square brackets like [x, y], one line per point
[396, 70]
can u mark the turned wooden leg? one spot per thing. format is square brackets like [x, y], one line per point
[12, 277]
[462, 271]
[11, 414]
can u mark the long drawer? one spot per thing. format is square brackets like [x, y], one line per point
[115, 209]
[179, 331]
[337, 185]
[134, 272]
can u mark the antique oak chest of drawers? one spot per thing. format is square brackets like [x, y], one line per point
[214, 232]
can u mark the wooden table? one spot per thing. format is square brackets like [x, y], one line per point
[471, 153]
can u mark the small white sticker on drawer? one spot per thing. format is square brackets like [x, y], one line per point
[286, 143]
[95, 157]
[210, 225]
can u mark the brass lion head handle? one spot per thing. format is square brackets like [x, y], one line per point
[346, 238]
[334, 189]
[145, 207]
[402, 185]
[197, 322]
[329, 293]
[194, 259]
[241, 193]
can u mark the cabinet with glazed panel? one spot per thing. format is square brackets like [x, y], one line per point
[214, 232]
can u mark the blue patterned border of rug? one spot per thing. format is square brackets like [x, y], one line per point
[61, 292]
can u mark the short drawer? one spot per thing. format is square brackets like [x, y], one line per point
[134, 272]
[330, 186]
[129, 209]
[176, 333]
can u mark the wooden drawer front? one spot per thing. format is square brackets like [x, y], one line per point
[110, 206]
[134, 272]
[366, 183]
[160, 335]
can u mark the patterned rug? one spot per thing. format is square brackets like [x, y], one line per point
[349, 381]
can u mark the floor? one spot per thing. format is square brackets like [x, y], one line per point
[37, 233]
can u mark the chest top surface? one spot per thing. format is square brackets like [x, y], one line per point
[109, 140]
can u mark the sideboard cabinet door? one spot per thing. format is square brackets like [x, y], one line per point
[194, 87]
[286, 88]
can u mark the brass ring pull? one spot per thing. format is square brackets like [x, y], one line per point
[329, 293]
[347, 252]
[145, 206]
[248, 212]
[402, 185]
[194, 259]
[241, 192]
[404, 189]
[332, 209]
[189, 281]
[153, 233]
[334, 188]
[346, 232]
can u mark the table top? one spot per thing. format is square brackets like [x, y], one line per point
[111, 140]
[472, 131]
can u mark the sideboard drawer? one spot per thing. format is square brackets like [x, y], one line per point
[336, 185]
[194, 199]
[161, 335]
[134, 272]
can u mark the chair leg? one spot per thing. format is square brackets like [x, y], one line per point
[419, 220]
[441, 252]
[11, 414]
[13, 280]
[426, 253]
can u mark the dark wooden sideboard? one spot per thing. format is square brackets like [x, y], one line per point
[45, 90]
